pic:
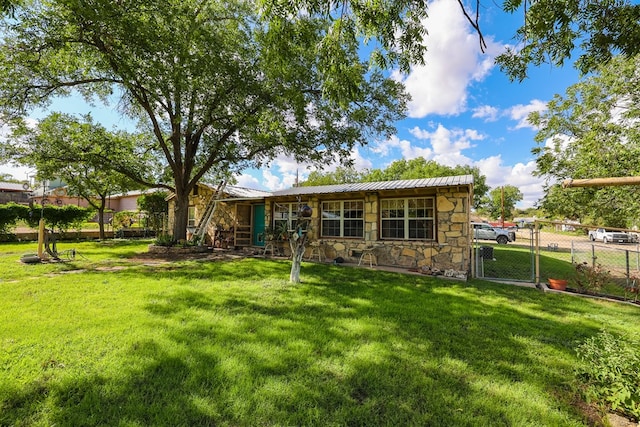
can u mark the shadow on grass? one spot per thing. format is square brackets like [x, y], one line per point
[241, 346]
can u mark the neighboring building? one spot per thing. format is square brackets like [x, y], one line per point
[115, 203]
[408, 223]
[13, 192]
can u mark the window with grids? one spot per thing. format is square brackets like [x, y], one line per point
[408, 218]
[285, 213]
[191, 219]
[343, 218]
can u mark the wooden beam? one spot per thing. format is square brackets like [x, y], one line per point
[601, 182]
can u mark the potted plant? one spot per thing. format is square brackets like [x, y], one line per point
[558, 284]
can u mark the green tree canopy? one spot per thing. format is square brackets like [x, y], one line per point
[553, 31]
[219, 87]
[156, 206]
[342, 174]
[79, 153]
[401, 169]
[593, 131]
[501, 202]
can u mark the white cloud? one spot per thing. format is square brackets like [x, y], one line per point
[16, 171]
[486, 112]
[248, 181]
[270, 181]
[453, 61]
[519, 175]
[359, 161]
[284, 170]
[447, 145]
[520, 113]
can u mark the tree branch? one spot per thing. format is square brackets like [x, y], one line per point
[475, 23]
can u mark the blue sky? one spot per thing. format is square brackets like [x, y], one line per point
[463, 111]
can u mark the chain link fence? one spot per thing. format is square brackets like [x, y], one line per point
[605, 263]
[513, 261]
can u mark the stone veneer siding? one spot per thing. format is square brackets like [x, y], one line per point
[224, 215]
[450, 250]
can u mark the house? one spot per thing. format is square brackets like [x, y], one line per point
[407, 223]
[14, 192]
[59, 196]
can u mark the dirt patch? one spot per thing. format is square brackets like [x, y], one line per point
[112, 268]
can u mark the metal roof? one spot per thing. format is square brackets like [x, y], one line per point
[245, 193]
[405, 184]
[11, 186]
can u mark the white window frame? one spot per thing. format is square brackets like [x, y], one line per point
[406, 218]
[290, 214]
[341, 218]
[191, 216]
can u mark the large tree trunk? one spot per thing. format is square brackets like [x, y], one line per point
[180, 215]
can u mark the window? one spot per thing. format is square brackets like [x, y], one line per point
[191, 221]
[343, 218]
[408, 218]
[285, 213]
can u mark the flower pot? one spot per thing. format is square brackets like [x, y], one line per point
[557, 284]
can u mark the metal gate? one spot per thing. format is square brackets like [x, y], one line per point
[514, 261]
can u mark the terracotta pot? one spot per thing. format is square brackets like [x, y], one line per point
[558, 284]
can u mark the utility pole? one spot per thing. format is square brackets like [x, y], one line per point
[502, 204]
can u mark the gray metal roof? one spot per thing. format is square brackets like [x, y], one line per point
[245, 193]
[11, 186]
[405, 184]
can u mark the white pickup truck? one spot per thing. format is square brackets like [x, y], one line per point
[484, 231]
[608, 236]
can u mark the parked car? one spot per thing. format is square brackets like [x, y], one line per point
[609, 236]
[484, 231]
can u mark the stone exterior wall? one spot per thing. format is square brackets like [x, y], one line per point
[450, 249]
[223, 219]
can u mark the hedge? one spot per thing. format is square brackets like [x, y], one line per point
[61, 218]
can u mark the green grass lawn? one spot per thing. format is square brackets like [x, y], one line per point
[106, 340]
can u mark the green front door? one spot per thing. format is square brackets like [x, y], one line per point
[258, 225]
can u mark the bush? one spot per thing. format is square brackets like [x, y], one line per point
[10, 213]
[165, 240]
[590, 279]
[62, 218]
[156, 207]
[611, 373]
[124, 219]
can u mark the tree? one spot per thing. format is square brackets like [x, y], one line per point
[553, 30]
[423, 168]
[593, 132]
[502, 201]
[65, 148]
[7, 177]
[561, 204]
[156, 207]
[402, 169]
[218, 87]
[342, 174]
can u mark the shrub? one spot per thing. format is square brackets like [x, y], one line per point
[62, 218]
[156, 207]
[10, 213]
[124, 219]
[611, 372]
[164, 240]
[590, 279]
